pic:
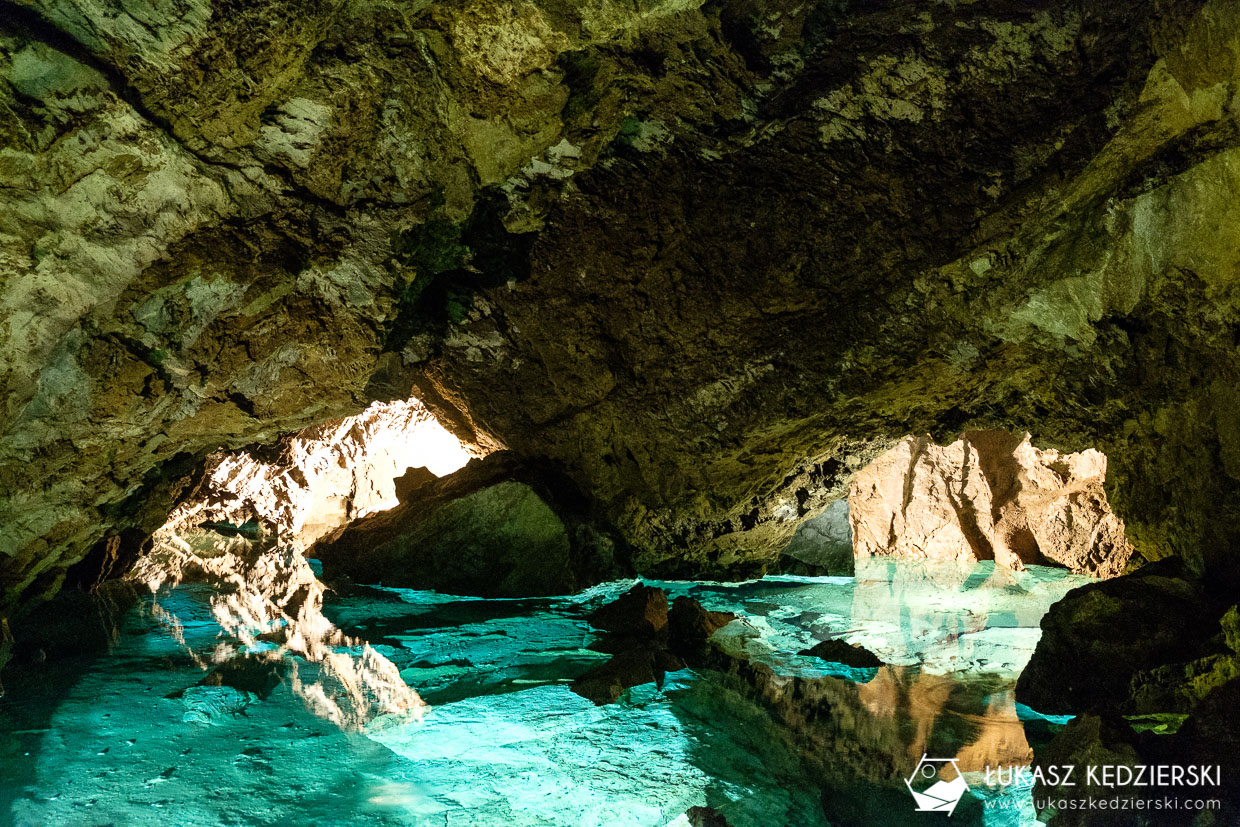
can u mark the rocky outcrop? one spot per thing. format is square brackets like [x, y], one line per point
[1100, 639]
[496, 528]
[641, 612]
[711, 258]
[316, 480]
[990, 495]
[647, 640]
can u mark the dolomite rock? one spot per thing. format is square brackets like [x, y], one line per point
[317, 480]
[496, 528]
[710, 258]
[990, 495]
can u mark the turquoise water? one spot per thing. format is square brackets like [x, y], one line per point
[129, 737]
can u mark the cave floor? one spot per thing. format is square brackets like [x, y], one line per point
[119, 740]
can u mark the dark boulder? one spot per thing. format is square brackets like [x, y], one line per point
[1100, 636]
[690, 625]
[499, 527]
[837, 651]
[639, 612]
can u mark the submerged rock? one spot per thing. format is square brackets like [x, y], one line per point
[706, 817]
[257, 675]
[988, 495]
[634, 666]
[213, 705]
[496, 528]
[648, 641]
[837, 651]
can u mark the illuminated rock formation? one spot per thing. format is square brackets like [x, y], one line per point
[988, 496]
[321, 478]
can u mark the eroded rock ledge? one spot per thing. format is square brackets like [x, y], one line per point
[499, 527]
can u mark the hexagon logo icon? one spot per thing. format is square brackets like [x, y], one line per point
[931, 794]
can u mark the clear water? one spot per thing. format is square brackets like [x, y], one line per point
[119, 740]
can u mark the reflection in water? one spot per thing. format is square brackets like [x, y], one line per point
[766, 737]
[266, 597]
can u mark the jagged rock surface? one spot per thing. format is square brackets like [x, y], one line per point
[317, 480]
[990, 495]
[496, 528]
[712, 258]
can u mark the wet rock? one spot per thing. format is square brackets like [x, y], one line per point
[690, 626]
[648, 640]
[639, 612]
[1100, 636]
[988, 495]
[496, 528]
[607, 682]
[254, 674]
[837, 651]
[1089, 741]
[213, 705]
[706, 817]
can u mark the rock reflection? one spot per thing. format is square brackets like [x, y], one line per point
[266, 596]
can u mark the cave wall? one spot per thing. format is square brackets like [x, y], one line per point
[711, 257]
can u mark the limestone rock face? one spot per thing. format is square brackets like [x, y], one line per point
[922, 501]
[710, 258]
[989, 495]
[317, 480]
[496, 528]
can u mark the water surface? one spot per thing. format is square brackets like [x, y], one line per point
[129, 738]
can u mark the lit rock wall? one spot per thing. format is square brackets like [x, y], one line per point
[321, 478]
[990, 495]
